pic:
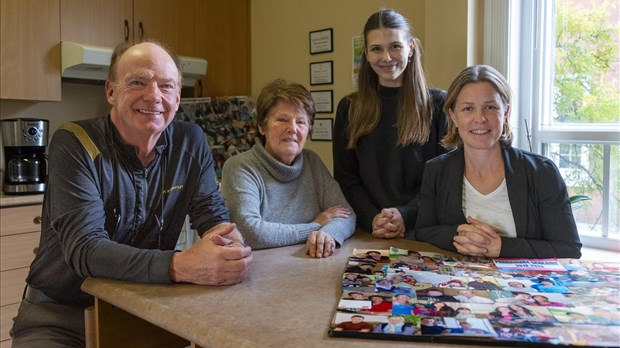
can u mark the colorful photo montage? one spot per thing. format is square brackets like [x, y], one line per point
[423, 296]
[229, 124]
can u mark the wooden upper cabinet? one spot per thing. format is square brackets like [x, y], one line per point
[96, 22]
[111, 22]
[218, 30]
[170, 22]
[30, 50]
[222, 36]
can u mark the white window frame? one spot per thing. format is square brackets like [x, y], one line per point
[512, 45]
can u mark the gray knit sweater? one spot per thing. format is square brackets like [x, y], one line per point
[274, 204]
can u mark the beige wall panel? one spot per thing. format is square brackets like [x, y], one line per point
[280, 46]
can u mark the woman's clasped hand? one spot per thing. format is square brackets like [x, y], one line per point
[388, 224]
[477, 239]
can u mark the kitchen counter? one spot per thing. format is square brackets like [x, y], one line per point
[21, 199]
[287, 300]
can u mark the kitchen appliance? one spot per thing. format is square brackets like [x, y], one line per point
[25, 167]
[88, 62]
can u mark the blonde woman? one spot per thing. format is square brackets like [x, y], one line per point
[487, 198]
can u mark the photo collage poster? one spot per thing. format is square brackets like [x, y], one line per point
[424, 296]
[229, 124]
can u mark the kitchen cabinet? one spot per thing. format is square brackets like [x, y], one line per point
[223, 39]
[31, 32]
[93, 22]
[111, 22]
[20, 230]
[171, 22]
[30, 50]
[216, 30]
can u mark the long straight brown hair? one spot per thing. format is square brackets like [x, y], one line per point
[414, 105]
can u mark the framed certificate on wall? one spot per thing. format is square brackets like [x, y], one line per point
[323, 101]
[321, 41]
[321, 73]
[322, 129]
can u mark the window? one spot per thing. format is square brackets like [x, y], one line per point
[569, 155]
[562, 59]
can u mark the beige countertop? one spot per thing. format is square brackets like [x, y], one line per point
[21, 199]
[287, 300]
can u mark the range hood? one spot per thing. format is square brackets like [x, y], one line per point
[88, 62]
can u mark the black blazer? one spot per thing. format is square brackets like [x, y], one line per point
[538, 197]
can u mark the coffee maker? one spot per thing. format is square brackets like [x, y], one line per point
[25, 160]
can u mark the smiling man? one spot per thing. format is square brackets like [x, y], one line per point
[118, 191]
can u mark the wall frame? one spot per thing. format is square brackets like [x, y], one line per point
[322, 129]
[322, 73]
[323, 101]
[321, 41]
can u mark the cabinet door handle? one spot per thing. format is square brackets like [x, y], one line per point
[37, 220]
[126, 30]
[141, 31]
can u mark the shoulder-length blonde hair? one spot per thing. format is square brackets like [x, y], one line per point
[475, 74]
[414, 103]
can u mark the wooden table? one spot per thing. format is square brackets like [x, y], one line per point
[288, 300]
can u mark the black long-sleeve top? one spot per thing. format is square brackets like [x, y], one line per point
[378, 173]
[538, 199]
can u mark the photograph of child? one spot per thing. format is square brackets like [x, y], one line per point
[402, 304]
